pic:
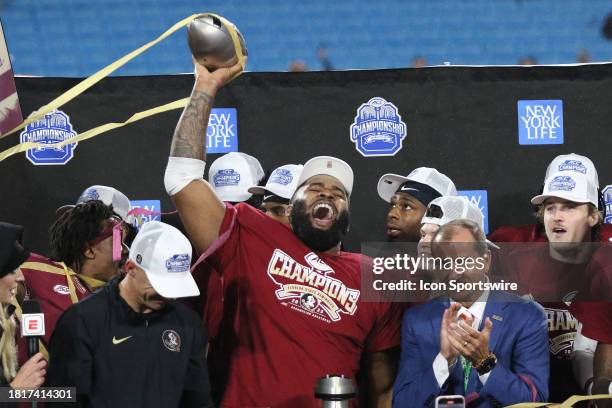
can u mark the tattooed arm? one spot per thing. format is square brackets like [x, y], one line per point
[199, 207]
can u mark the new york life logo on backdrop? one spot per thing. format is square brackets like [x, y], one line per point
[540, 122]
[480, 198]
[150, 205]
[378, 129]
[53, 128]
[222, 131]
[607, 198]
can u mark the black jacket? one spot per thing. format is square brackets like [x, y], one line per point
[116, 357]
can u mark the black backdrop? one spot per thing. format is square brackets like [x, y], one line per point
[461, 120]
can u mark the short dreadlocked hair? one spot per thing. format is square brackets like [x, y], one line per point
[79, 225]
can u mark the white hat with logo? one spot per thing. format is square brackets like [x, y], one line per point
[232, 174]
[575, 187]
[283, 182]
[109, 196]
[574, 163]
[164, 253]
[328, 166]
[445, 209]
[449, 208]
[390, 183]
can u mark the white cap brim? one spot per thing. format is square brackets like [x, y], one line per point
[388, 185]
[539, 199]
[432, 220]
[178, 286]
[491, 244]
[232, 196]
[259, 190]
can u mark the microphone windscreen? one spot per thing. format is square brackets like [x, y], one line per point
[30, 306]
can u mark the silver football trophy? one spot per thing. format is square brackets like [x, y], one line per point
[334, 391]
[215, 42]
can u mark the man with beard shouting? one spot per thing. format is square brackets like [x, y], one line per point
[282, 339]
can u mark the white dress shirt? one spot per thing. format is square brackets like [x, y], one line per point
[440, 365]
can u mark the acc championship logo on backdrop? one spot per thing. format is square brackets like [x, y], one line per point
[310, 289]
[378, 129]
[222, 131]
[54, 128]
[540, 122]
[481, 199]
[607, 199]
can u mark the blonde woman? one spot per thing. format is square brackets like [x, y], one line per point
[12, 254]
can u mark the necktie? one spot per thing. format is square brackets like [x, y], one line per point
[467, 369]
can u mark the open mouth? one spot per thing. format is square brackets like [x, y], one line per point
[393, 231]
[323, 214]
[558, 232]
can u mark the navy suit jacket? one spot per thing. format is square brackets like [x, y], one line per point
[519, 339]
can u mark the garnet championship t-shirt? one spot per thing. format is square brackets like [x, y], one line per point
[593, 308]
[298, 315]
[553, 284]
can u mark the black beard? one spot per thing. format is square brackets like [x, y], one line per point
[314, 238]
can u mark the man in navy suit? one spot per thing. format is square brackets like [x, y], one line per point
[490, 346]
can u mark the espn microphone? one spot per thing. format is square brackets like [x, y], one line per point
[32, 325]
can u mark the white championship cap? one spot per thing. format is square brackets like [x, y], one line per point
[232, 174]
[109, 196]
[329, 166]
[574, 163]
[389, 183]
[449, 208]
[445, 209]
[164, 253]
[282, 182]
[575, 187]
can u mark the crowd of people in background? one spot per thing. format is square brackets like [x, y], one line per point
[418, 61]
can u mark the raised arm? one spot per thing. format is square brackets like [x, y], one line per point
[199, 207]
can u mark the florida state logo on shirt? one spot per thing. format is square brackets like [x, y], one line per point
[310, 289]
[171, 340]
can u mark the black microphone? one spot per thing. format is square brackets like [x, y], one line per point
[32, 325]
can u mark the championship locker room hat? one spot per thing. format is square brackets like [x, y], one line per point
[109, 196]
[328, 166]
[429, 177]
[573, 163]
[575, 187]
[282, 182]
[445, 209]
[232, 174]
[164, 253]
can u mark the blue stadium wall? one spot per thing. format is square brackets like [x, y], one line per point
[78, 37]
